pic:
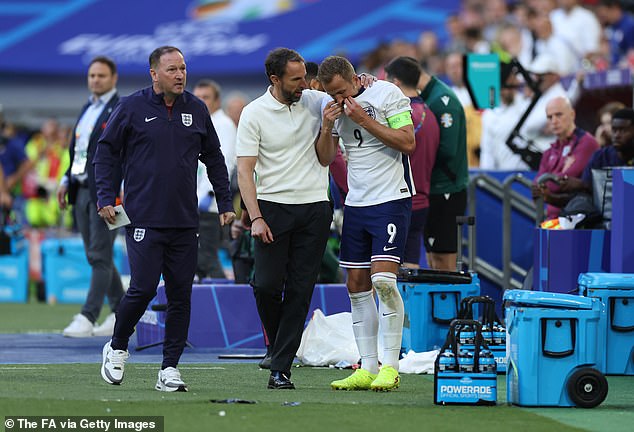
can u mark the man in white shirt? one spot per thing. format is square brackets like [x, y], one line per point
[545, 69]
[578, 26]
[284, 188]
[210, 233]
[497, 125]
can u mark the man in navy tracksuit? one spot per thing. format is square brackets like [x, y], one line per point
[157, 135]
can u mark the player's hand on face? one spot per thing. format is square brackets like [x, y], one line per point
[353, 110]
[332, 112]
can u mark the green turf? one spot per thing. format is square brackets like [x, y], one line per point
[38, 317]
[77, 389]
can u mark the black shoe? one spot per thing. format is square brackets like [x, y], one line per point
[265, 363]
[280, 380]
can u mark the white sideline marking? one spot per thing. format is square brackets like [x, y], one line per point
[23, 367]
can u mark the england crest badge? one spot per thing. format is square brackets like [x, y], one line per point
[139, 234]
[187, 119]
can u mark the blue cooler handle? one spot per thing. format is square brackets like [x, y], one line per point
[618, 328]
[435, 319]
[558, 354]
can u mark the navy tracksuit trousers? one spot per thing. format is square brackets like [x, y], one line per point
[152, 252]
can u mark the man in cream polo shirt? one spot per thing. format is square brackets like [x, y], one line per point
[284, 188]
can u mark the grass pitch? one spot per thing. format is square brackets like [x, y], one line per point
[78, 390]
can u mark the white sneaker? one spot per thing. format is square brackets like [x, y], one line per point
[113, 364]
[106, 328]
[80, 327]
[169, 380]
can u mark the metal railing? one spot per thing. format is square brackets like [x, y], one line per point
[511, 201]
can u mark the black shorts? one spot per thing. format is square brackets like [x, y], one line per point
[440, 230]
[415, 235]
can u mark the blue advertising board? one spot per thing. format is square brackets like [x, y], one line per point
[216, 36]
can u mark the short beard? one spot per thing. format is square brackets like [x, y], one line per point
[290, 97]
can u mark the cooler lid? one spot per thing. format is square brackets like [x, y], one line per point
[547, 299]
[606, 280]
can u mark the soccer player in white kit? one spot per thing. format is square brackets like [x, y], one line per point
[376, 128]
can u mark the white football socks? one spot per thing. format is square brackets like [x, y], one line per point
[391, 314]
[365, 325]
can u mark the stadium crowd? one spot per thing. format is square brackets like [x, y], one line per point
[558, 42]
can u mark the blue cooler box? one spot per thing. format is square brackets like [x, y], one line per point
[616, 325]
[14, 277]
[66, 270]
[552, 348]
[432, 300]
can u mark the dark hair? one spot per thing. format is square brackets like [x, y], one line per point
[610, 3]
[335, 65]
[312, 69]
[155, 57]
[625, 114]
[105, 60]
[277, 59]
[207, 83]
[405, 69]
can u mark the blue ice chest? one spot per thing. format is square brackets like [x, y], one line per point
[552, 348]
[616, 325]
[14, 277]
[66, 270]
[432, 300]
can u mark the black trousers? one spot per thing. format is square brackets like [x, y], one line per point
[286, 271]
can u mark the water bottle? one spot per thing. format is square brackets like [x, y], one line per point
[465, 361]
[447, 362]
[487, 334]
[486, 361]
[499, 335]
[467, 335]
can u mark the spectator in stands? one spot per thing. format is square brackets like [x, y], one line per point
[455, 31]
[553, 44]
[210, 233]
[496, 14]
[449, 178]
[157, 135]
[618, 28]
[517, 42]
[15, 163]
[49, 160]
[428, 53]
[404, 72]
[498, 123]
[77, 187]
[603, 133]
[454, 70]
[545, 70]
[567, 156]
[5, 197]
[578, 26]
[620, 153]
[234, 104]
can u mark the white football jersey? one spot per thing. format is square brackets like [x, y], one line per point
[376, 173]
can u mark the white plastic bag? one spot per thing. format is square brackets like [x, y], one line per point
[418, 363]
[328, 340]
